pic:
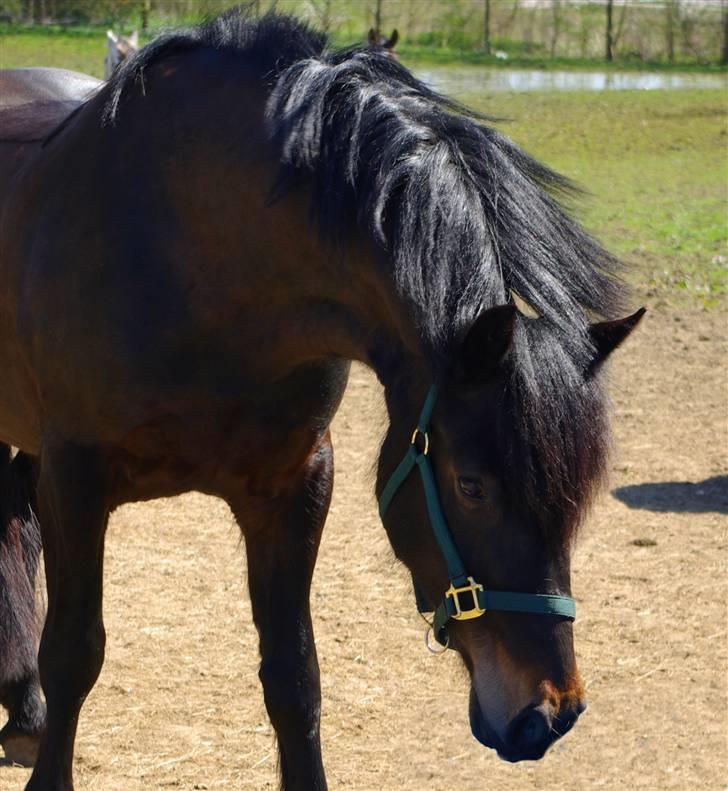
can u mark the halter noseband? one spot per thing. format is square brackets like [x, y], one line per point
[465, 598]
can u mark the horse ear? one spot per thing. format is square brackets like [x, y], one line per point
[372, 37]
[607, 335]
[393, 39]
[486, 344]
[111, 37]
[134, 39]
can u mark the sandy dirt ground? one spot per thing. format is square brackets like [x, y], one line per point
[178, 704]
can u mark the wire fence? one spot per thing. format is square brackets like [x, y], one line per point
[670, 31]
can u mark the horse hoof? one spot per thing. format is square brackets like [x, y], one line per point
[21, 749]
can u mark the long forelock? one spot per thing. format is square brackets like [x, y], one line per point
[558, 440]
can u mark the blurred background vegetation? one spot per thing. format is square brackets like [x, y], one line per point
[546, 32]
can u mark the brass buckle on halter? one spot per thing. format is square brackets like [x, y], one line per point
[472, 588]
[425, 439]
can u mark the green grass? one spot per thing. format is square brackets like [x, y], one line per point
[415, 54]
[655, 165]
[79, 49]
[654, 162]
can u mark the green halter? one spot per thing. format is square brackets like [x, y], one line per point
[465, 598]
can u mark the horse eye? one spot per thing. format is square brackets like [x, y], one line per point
[471, 488]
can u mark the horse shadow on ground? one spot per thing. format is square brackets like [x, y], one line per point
[710, 495]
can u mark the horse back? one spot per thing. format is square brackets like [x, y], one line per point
[33, 102]
[20, 86]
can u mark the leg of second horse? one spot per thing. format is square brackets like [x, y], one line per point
[19, 553]
[73, 515]
[282, 537]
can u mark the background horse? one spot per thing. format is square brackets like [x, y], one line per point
[19, 628]
[386, 45]
[119, 48]
[190, 330]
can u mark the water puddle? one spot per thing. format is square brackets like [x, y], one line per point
[462, 80]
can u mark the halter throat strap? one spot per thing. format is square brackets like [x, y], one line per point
[465, 598]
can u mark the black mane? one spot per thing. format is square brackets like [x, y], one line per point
[463, 215]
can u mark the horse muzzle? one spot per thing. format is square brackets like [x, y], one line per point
[529, 734]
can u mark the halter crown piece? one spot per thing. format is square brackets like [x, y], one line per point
[465, 598]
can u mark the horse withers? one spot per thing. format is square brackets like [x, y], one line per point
[281, 209]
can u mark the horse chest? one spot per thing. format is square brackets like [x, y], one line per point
[259, 441]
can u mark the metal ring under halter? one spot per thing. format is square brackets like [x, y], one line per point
[476, 600]
[431, 646]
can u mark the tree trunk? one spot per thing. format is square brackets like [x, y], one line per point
[670, 31]
[486, 27]
[512, 17]
[146, 10]
[556, 27]
[620, 27]
[378, 18]
[724, 59]
[608, 40]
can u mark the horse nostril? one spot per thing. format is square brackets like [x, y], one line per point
[567, 719]
[530, 733]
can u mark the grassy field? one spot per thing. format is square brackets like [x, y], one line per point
[655, 162]
[655, 165]
[20, 46]
[79, 50]
[415, 53]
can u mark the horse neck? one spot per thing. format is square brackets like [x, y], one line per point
[343, 295]
[360, 316]
[336, 300]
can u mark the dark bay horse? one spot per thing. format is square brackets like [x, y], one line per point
[278, 210]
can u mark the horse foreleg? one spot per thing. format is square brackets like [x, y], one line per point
[73, 511]
[282, 539]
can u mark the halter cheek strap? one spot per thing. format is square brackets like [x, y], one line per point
[465, 598]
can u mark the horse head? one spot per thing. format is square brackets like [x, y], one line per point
[380, 42]
[514, 443]
[119, 48]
